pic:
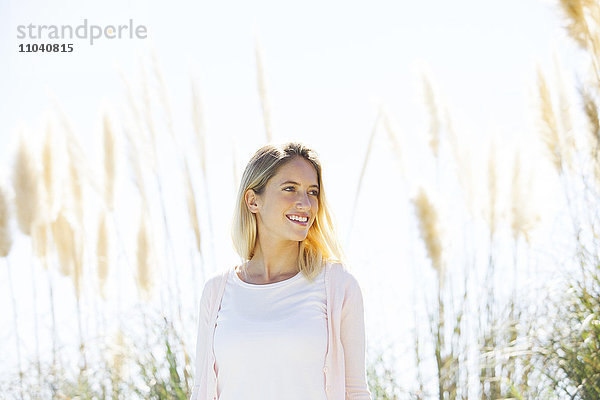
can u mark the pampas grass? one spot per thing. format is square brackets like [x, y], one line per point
[118, 358]
[429, 230]
[26, 187]
[71, 262]
[166, 104]
[363, 169]
[64, 240]
[199, 126]
[102, 253]
[567, 137]
[26, 181]
[5, 233]
[577, 27]
[49, 171]
[577, 13]
[75, 186]
[39, 239]
[191, 207]
[109, 161]
[492, 185]
[262, 91]
[5, 246]
[549, 127]
[522, 218]
[78, 240]
[144, 267]
[590, 106]
[394, 139]
[434, 118]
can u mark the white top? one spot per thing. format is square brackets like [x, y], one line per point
[270, 340]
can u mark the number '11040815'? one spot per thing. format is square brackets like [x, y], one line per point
[45, 48]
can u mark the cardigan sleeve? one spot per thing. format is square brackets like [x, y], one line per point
[353, 342]
[203, 329]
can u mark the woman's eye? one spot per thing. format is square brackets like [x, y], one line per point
[315, 192]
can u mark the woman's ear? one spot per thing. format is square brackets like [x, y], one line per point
[250, 198]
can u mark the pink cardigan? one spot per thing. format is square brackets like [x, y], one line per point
[344, 369]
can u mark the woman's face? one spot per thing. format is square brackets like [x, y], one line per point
[293, 193]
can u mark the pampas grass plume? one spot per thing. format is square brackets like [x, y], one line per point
[522, 216]
[64, 239]
[429, 229]
[199, 127]
[591, 112]
[549, 131]
[5, 234]
[49, 171]
[576, 28]
[191, 206]
[39, 239]
[26, 187]
[262, 91]
[144, 272]
[102, 252]
[109, 161]
[434, 118]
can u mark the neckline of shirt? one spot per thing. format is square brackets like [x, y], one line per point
[266, 285]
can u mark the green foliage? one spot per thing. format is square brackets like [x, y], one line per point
[571, 357]
[161, 374]
[381, 379]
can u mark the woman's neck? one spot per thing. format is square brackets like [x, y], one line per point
[268, 264]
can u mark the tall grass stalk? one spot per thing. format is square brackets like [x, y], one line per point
[490, 385]
[6, 239]
[102, 249]
[567, 137]
[135, 139]
[64, 239]
[428, 228]
[200, 140]
[192, 216]
[393, 137]
[262, 92]
[109, 161]
[362, 172]
[27, 204]
[434, 118]
[49, 172]
[42, 231]
[169, 249]
[549, 126]
[144, 258]
[5, 247]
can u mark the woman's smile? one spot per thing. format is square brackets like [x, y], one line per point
[303, 221]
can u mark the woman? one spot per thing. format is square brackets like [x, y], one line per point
[288, 323]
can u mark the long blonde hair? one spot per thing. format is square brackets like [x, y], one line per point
[321, 244]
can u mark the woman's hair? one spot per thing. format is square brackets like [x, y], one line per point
[321, 244]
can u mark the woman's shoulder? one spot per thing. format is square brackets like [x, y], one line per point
[215, 278]
[341, 274]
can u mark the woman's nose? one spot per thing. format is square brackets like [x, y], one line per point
[303, 201]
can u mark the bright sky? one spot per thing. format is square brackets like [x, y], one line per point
[328, 65]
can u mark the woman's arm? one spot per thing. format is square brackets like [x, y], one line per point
[203, 325]
[353, 342]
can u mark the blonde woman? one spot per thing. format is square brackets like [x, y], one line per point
[288, 322]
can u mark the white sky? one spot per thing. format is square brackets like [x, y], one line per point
[328, 65]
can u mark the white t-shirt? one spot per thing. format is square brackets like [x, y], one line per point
[270, 340]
